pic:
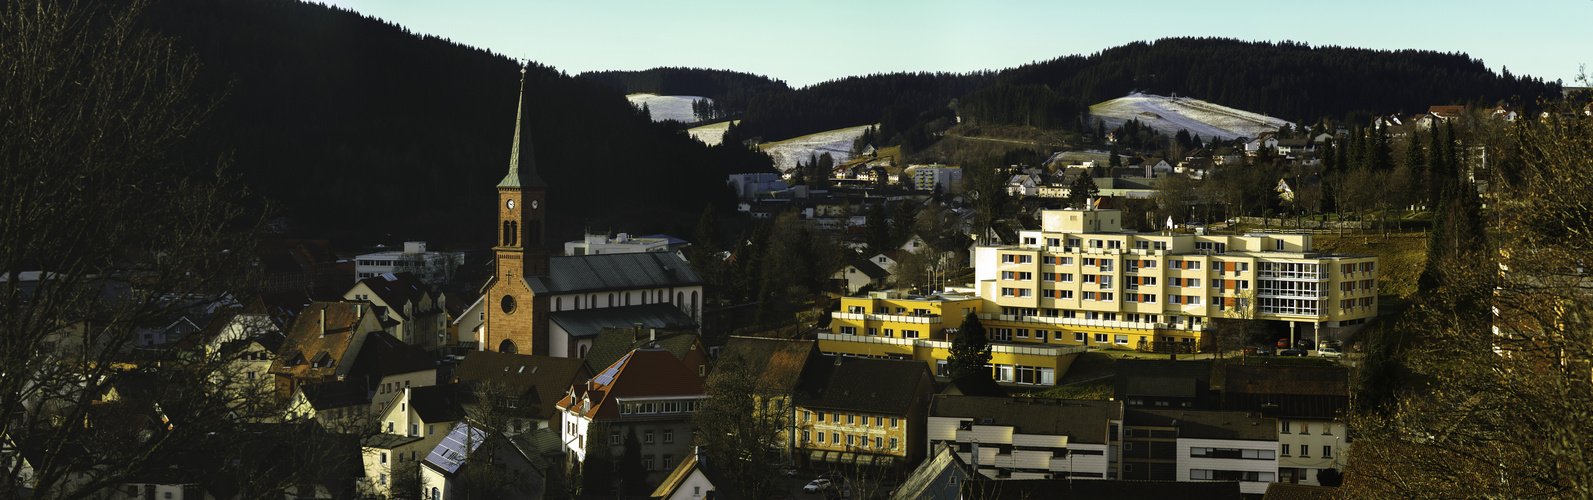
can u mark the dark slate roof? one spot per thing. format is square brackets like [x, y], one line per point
[383, 355]
[1288, 405]
[395, 289]
[541, 380]
[1206, 424]
[975, 385]
[438, 403]
[1082, 421]
[777, 363]
[1100, 488]
[340, 394]
[861, 384]
[614, 343]
[623, 271]
[869, 268]
[1298, 380]
[642, 373]
[1178, 387]
[587, 323]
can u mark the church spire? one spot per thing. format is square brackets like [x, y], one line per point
[531, 178]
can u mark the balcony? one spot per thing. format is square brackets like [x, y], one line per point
[996, 346]
[920, 319]
[1100, 323]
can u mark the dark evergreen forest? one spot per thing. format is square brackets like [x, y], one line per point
[365, 132]
[1289, 80]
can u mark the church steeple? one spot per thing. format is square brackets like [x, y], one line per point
[513, 179]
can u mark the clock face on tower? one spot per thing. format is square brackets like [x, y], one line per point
[509, 204]
[533, 204]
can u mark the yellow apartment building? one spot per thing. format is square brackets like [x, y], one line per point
[1082, 281]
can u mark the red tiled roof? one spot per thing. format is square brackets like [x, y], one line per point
[306, 342]
[642, 373]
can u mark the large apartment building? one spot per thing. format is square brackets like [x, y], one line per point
[1082, 281]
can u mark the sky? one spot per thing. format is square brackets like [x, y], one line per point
[813, 41]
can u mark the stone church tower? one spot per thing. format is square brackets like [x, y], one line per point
[516, 316]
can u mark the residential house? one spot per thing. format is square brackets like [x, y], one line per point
[928, 177]
[938, 477]
[614, 343]
[648, 393]
[778, 366]
[427, 412]
[1264, 140]
[1064, 489]
[515, 468]
[860, 273]
[383, 456]
[411, 309]
[1193, 445]
[1310, 404]
[697, 478]
[527, 387]
[322, 343]
[465, 323]
[1295, 149]
[389, 365]
[341, 405]
[1028, 438]
[748, 186]
[862, 412]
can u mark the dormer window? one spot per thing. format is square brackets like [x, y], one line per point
[322, 360]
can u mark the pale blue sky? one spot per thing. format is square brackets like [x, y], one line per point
[809, 42]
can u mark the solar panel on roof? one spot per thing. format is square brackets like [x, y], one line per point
[607, 377]
[451, 452]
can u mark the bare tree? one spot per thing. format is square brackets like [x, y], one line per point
[743, 427]
[106, 229]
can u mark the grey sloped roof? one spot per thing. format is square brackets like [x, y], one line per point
[588, 322]
[869, 268]
[625, 271]
[1207, 424]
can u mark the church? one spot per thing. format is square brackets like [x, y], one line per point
[539, 304]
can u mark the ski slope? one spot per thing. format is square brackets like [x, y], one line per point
[838, 143]
[667, 107]
[1169, 114]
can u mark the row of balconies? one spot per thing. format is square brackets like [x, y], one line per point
[928, 319]
[995, 346]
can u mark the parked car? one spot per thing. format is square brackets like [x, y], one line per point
[1292, 352]
[1250, 350]
[1329, 352]
[1302, 344]
[1283, 343]
[816, 486]
[788, 471]
[832, 475]
[1329, 343]
[1263, 351]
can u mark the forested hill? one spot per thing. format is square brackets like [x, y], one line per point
[366, 132]
[1289, 80]
[730, 89]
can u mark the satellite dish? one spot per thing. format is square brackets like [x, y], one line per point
[973, 194]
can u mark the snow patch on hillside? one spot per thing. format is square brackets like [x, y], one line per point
[838, 143]
[711, 134]
[1169, 114]
[667, 107]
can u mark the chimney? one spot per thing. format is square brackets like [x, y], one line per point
[322, 321]
[636, 331]
[652, 334]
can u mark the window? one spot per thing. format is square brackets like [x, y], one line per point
[614, 438]
[1283, 450]
[849, 440]
[879, 442]
[1048, 260]
[1120, 339]
[647, 462]
[879, 421]
[893, 443]
[1008, 275]
[1008, 258]
[1023, 333]
[835, 418]
[889, 332]
[1305, 451]
[807, 436]
[1025, 276]
[1279, 245]
[851, 420]
[1192, 265]
[1100, 338]
[1066, 261]
[1025, 259]
[909, 334]
[1065, 277]
[669, 436]
[893, 426]
[1009, 292]
[1089, 295]
[1327, 451]
[1283, 427]
[384, 457]
[873, 331]
[1193, 282]
[821, 437]
[848, 330]
[669, 462]
[1077, 336]
[835, 438]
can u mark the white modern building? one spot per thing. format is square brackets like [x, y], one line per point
[602, 244]
[436, 268]
[1028, 438]
[926, 177]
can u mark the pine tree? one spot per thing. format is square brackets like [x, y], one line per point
[970, 350]
[1082, 190]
